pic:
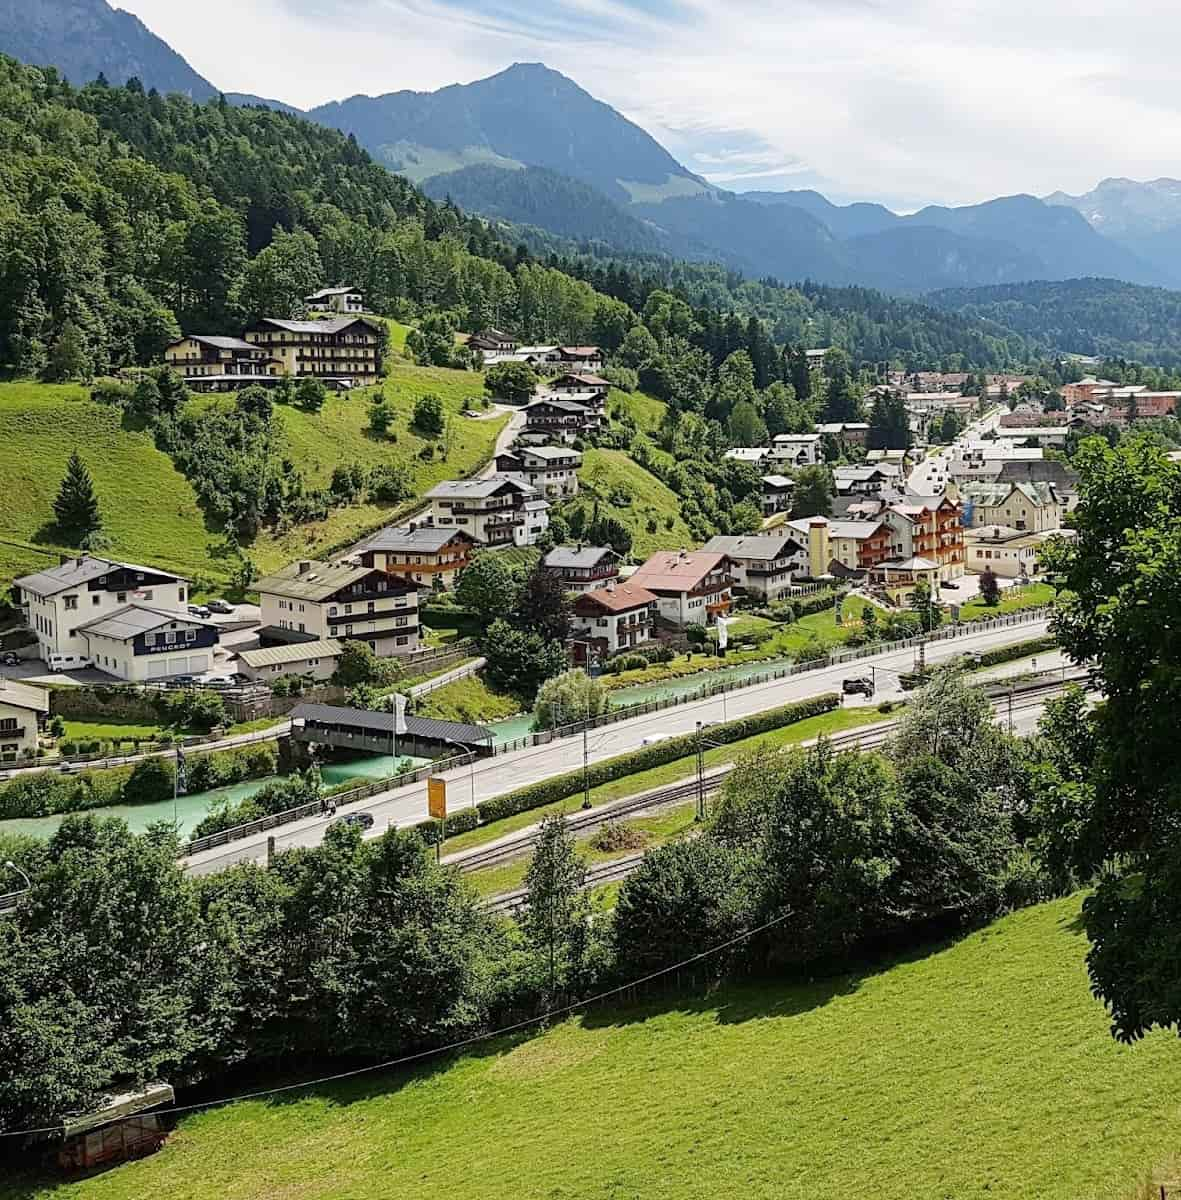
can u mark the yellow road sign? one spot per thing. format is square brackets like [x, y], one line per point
[436, 797]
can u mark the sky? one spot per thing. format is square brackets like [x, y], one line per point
[906, 102]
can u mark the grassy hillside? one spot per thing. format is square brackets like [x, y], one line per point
[981, 1069]
[150, 510]
[627, 491]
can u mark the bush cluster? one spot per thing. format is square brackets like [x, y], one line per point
[559, 787]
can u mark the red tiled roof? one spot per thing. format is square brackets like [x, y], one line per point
[620, 598]
[677, 571]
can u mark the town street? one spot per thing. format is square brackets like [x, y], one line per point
[486, 778]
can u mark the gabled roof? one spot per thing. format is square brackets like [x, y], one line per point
[335, 326]
[426, 539]
[277, 656]
[577, 557]
[478, 489]
[619, 597]
[581, 351]
[383, 722]
[324, 293]
[592, 381]
[23, 695]
[133, 619]
[795, 438]
[762, 546]
[778, 481]
[218, 343]
[676, 570]
[308, 579]
[562, 405]
[80, 571]
[549, 452]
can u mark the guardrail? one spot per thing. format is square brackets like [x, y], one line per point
[545, 737]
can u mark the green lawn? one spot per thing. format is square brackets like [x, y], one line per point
[636, 497]
[631, 785]
[149, 510]
[468, 700]
[109, 731]
[982, 1068]
[40, 424]
[646, 411]
[1012, 600]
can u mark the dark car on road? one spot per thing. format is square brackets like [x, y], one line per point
[362, 820]
[857, 684]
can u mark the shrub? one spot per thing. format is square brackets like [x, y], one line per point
[1003, 654]
[560, 787]
[150, 780]
[40, 794]
[429, 417]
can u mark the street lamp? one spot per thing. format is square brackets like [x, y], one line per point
[13, 867]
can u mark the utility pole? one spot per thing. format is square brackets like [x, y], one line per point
[586, 800]
[700, 776]
[1010, 708]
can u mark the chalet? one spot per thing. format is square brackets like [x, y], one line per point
[933, 531]
[544, 359]
[140, 642]
[552, 470]
[431, 556]
[582, 568]
[316, 659]
[344, 352]
[691, 587]
[777, 494]
[561, 420]
[204, 360]
[580, 385]
[856, 433]
[492, 341]
[866, 481]
[58, 601]
[23, 710]
[763, 564]
[612, 618]
[1026, 507]
[343, 300]
[796, 449]
[499, 511]
[310, 601]
[586, 360]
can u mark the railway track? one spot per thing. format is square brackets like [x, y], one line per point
[871, 738]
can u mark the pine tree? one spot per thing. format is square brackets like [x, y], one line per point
[76, 506]
[555, 920]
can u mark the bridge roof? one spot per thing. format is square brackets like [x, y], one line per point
[382, 722]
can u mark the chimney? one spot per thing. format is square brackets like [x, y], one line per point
[304, 566]
[610, 585]
[80, 560]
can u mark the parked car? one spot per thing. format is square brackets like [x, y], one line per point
[856, 684]
[199, 610]
[362, 820]
[950, 583]
[224, 607]
[186, 681]
[8, 659]
[218, 683]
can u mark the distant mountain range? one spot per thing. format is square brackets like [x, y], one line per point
[530, 146]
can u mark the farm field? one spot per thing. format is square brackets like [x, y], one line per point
[981, 1068]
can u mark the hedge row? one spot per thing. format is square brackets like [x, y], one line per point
[989, 658]
[560, 787]
[458, 822]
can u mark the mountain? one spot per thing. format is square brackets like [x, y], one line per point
[549, 200]
[526, 115]
[1101, 317]
[1143, 217]
[86, 38]
[245, 100]
[849, 220]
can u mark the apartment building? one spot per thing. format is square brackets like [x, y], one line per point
[550, 420]
[868, 480]
[59, 601]
[1026, 507]
[344, 350]
[931, 530]
[23, 709]
[691, 587]
[762, 564]
[318, 601]
[844, 547]
[212, 359]
[430, 556]
[856, 433]
[582, 568]
[499, 511]
[796, 449]
[552, 470]
[610, 619]
[343, 300]
[492, 341]
[591, 386]
[777, 494]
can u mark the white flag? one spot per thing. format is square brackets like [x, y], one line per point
[399, 713]
[723, 632]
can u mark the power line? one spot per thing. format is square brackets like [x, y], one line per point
[462, 1044]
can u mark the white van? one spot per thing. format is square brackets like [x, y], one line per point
[68, 662]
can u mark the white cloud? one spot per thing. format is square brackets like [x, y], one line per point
[910, 102]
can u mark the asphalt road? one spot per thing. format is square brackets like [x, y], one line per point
[492, 777]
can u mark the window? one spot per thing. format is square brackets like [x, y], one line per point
[8, 723]
[190, 635]
[348, 629]
[148, 594]
[149, 639]
[348, 608]
[401, 641]
[332, 611]
[169, 638]
[71, 603]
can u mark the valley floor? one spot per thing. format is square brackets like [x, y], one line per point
[981, 1068]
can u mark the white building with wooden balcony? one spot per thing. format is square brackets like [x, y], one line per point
[502, 510]
[23, 710]
[691, 587]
